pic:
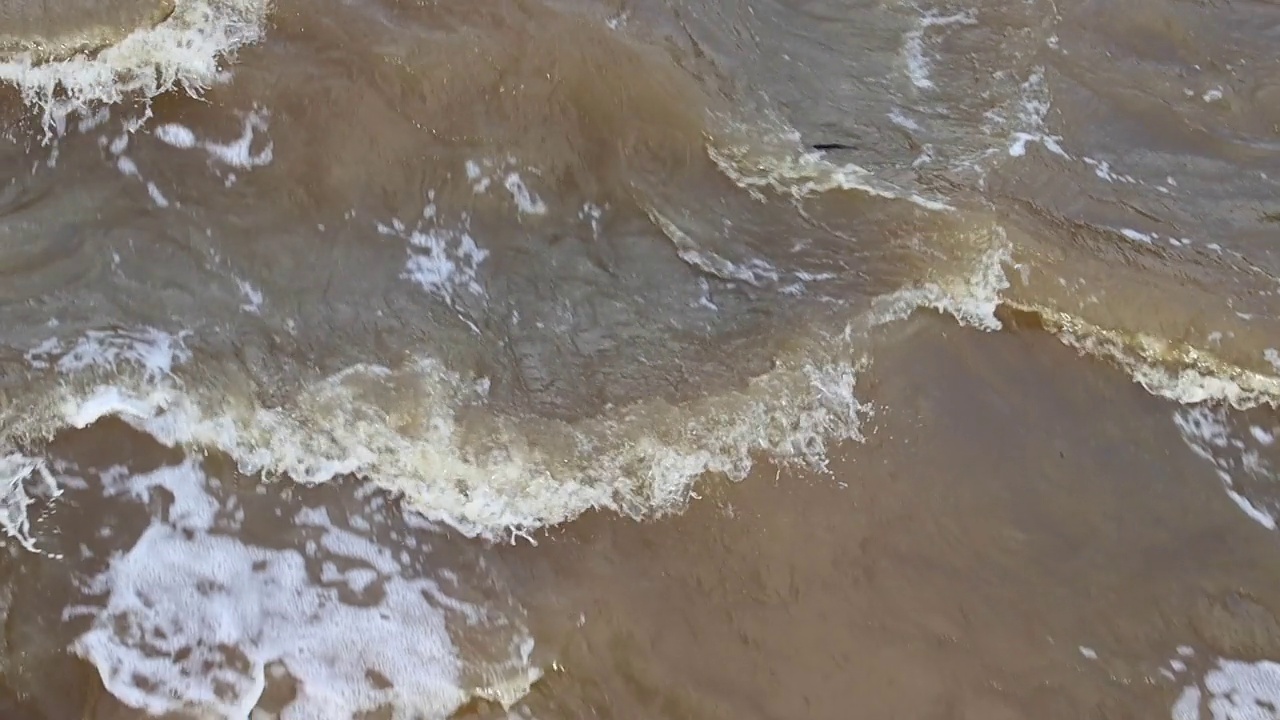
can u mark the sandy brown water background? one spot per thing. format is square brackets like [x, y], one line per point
[640, 360]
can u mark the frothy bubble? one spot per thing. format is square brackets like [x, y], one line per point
[192, 616]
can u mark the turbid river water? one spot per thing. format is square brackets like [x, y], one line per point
[681, 359]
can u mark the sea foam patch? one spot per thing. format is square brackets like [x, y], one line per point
[1228, 689]
[1239, 458]
[252, 148]
[23, 481]
[443, 260]
[1028, 122]
[484, 173]
[155, 352]
[350, 605]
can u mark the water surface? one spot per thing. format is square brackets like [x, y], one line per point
[640, 359]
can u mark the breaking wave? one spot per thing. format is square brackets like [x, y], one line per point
[1173, 370]
[424, 432]
[187, 51]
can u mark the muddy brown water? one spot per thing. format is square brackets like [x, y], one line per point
[675, 359]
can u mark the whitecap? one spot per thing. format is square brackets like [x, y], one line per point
[185, 51]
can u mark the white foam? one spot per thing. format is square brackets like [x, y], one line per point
[898, 118]
[252, 295]
[127, 167]
[1104, 171]
[1272, 356]
[1187, 706]
[112, 401]
[1136, 236]
[443, 261]
[192, 616]
[592, 213]
[919, 64]
[1188, 385]
[94, 119]
[157, 197]
[1208, 431]
[1027, 124]
[238, 153]
[618, 21]
[527, 202]
[640, 460]
[153, 351]
[185, 52]
[1232, 690]
[754, 271]
[1177, 372]
[178, 136]
[972, 289]
[1262, 435]
[482, 174]
[21, 477]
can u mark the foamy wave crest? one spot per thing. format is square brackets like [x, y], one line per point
[433, 435]
[1171, 370]
[430, 434]
[185, 51]
[970, 296]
